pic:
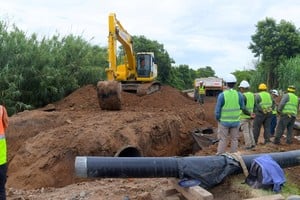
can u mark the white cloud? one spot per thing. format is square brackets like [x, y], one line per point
[213, 33]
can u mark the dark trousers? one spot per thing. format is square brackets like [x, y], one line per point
[260, 120]
[273, 124]
[201, 98]
[3, 170]
[285, 122]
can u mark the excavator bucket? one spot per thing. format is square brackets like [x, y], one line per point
[109, 95]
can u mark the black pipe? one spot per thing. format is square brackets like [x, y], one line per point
[209, 170]
[122, 167]
[150, 167]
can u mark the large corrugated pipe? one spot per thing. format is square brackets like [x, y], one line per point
[155, 167]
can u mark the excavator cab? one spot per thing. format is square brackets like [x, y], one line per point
[146, 67]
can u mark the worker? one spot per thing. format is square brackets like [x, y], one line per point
[143, 69]
[274, 94]
[227, 112]
[246, 120]
[287, 110]
[3, 153]
[263, 105]
[201, 92]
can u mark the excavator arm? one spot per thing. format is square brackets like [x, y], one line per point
[127, 70]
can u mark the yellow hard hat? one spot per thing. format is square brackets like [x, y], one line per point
[291, 88]
[262, 86]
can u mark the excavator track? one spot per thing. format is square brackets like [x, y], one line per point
[148, 88]
[109, 95]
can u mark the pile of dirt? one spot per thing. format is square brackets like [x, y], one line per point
[43, 144]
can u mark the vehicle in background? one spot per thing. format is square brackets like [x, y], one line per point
[213, 85]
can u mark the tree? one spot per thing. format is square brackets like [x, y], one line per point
[37, 72]
[272, 44]
[183, 77]
[289, 73]
[244, 75]
[205, 72]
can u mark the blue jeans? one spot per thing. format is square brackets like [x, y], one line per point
[273, 124]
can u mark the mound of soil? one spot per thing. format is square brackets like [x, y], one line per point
[43, 143]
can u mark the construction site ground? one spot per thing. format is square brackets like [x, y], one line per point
[43, 144]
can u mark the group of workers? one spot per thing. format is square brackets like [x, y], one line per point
[245, 111]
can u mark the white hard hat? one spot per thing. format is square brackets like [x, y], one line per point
[275, 92]
[244, 84]
[230, 78]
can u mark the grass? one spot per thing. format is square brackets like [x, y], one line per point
[289, 188]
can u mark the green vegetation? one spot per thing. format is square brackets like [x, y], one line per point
[289, 188]
[273, 44]
[36, 72]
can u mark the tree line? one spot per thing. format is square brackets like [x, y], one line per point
[35, 72]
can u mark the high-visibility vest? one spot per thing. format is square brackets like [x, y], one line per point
[291, 107]
[274, 111]
[201, 90]
[249, 105]
[266, 101]
[3, 153]
[230, 111]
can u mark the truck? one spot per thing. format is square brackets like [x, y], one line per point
[137, 73]
[213, 85]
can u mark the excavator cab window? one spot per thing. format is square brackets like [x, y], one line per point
[144, 65]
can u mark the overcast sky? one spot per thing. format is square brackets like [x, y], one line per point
[197, 33]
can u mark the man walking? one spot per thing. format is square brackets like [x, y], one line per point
[227, 112]
[288, 110]
[263, 107]
[246, 120]
[3, 153]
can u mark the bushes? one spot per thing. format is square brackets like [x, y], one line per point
[34, 73]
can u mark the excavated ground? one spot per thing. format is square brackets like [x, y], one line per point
[43, 144]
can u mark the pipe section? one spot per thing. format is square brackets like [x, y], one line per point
[179, 167]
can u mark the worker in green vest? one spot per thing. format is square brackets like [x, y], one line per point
[288, 110]
[227, 112]
[263, 106]
[246, 120]
[201, 92]
[3, 153]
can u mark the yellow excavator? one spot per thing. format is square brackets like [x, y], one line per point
[136, 74]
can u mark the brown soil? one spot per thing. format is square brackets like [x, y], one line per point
[43, 144]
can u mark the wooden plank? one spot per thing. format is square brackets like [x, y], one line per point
[170, 194]
[269, 197]
[192, 193]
